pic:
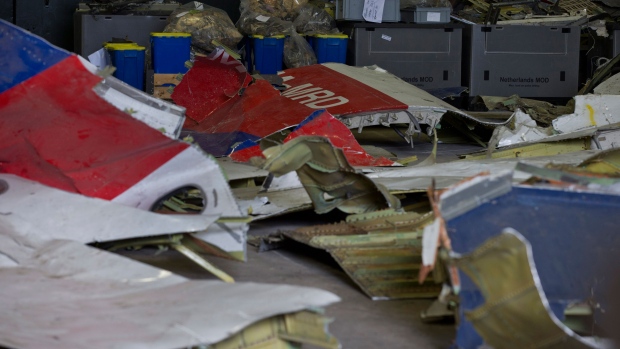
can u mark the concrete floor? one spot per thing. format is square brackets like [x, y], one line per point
[359, 322]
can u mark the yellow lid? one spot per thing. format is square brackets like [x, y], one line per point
[123, 46]
[332, 36]
[172, 34]
[272, 37]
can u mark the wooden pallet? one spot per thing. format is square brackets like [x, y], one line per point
[164, 84]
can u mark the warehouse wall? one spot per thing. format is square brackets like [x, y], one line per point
[53, 19]
[50, 19]
[230, 6]
[6, 10]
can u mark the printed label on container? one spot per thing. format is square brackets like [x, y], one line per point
[262, 18]
[386, 37]
[433, 17]
[373, 10]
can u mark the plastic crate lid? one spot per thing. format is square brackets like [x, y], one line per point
[123, 46]
[169, 35]
[332, 36]
[271, 37]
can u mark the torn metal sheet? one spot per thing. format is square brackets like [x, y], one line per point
[380, 251]
[598, 111]
[284, 332]
[516, 312]
[540, 111]
[212, 81]
[572, 234]
[537, 149]
[157, 113]
[575, 180]
[606, 162]
[608, 139]
[402, 180]
[357, 96]
[33, 208]
[523, 129]
[414, 178]
[327, 176]
[366, 96]
[321, 123]
[40, 55]
[240, 174]
[470, 194]
[69, 137]
[108, 301]
[243, 119]
[592, 113]
[261, 205]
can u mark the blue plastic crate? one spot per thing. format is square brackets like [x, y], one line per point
[170, 51]
[310, 39]
[128, 58]
[330, 48]
[268, 52]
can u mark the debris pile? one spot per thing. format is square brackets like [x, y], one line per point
[504, 212]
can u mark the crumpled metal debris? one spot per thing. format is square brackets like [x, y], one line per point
[573, 267]
[542, 112]
[74, 137]
[380, 251]
[327, 176]
[592, 113]
[419, 178]
[515, 313]
[58, 293]
[357, 96]
[320, 123]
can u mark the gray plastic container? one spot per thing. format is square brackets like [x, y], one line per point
[91, 31]
[425, 15]
[351, 10]
[529, 61]
[425, 55]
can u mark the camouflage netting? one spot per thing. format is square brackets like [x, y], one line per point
[206, 24]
